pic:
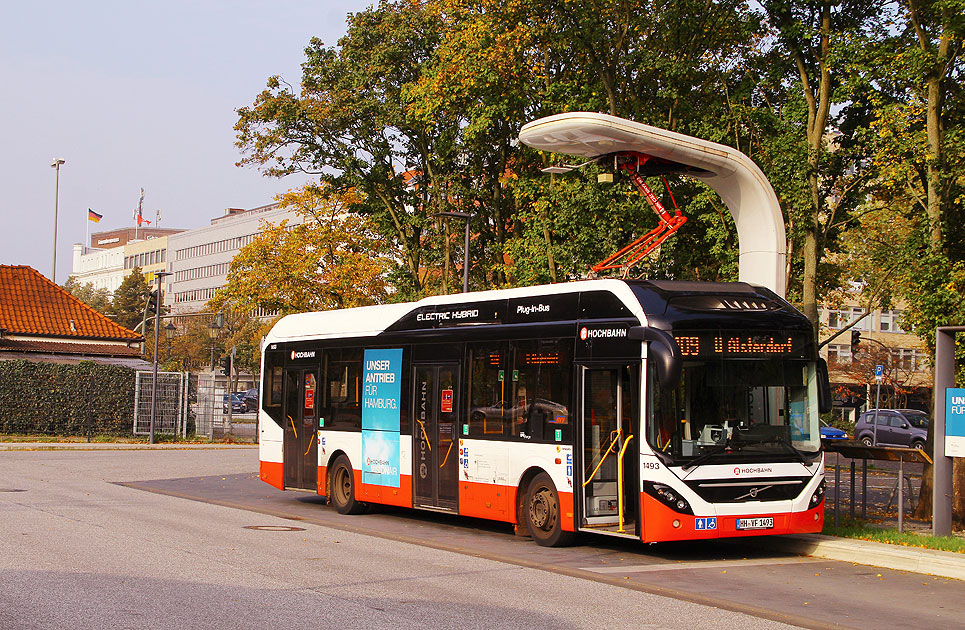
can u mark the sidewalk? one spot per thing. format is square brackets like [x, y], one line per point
[899, 557]
[115, 446]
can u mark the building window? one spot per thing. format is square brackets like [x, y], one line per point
[839, 318]
[889, 321]
[838, 353]
[908, 358]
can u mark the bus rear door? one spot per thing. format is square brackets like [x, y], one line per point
[435, 445]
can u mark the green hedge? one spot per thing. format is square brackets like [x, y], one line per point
[56, 399]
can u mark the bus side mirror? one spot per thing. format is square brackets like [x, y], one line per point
[663, 352]
[825, 403]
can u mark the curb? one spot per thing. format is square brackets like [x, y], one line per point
[929, 561]
[108, 446]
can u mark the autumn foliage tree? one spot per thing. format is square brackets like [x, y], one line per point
[331, 259]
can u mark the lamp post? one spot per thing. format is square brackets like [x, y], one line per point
[157, 329]
[213, 331]
[170, 331]
[55, 164]
[465, 252]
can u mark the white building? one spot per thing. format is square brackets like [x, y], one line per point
[114, 253]
[102, 268]
[199, 259]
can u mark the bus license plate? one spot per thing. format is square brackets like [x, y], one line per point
[755, 523]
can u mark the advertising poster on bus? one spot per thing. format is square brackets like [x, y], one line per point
[381, 416]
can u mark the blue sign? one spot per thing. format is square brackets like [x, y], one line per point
[380, 458]
[955, 422]
[709, 522]
[381, 416]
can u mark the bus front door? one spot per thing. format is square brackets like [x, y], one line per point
[609, 436]
[435, 447]
[301, 429]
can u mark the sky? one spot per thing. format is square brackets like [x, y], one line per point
[137, 95]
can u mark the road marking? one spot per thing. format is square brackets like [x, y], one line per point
[713, 564]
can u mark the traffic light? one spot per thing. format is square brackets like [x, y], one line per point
[226, 364]
[151, 306]
[855, 339]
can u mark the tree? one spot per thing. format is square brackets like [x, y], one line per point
[348, 123]
[333, 259]
[127, 307]
[499, 65]
[816, 39]
[97, 299]
[912, 84]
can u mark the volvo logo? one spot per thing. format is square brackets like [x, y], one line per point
[753, 492]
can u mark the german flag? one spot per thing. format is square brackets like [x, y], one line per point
[93, 216]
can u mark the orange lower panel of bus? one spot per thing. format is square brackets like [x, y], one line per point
[401, 496]
[498, 503]
[659, 523]
[272, 473]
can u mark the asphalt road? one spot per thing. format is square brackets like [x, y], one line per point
[110, 539]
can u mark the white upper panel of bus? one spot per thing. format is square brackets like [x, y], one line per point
[368, 321]
[739, 182]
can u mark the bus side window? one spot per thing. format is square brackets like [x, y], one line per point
[343, 375]
[271, 386]
[542, 373]
[489, 409]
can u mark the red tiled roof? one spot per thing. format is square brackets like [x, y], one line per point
[54, 347]
[30, 304]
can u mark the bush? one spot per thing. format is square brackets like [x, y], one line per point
[59, 399]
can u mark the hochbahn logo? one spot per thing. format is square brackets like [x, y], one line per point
[751, 470]
[602, 333]
[305, 354]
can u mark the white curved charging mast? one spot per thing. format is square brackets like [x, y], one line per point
[739, 182]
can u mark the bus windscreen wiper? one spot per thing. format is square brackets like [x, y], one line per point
[717, 450]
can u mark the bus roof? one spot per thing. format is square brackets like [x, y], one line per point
[368, 321]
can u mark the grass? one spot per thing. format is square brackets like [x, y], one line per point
[865, 531]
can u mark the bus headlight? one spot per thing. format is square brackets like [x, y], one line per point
[817, 496]
[668, 496]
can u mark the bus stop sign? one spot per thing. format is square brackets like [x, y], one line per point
[955, 422]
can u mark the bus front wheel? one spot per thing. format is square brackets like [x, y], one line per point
[341, 488]
[543, 514]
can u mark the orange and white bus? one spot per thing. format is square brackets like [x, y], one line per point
[652, 410]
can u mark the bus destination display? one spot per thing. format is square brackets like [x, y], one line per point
[736, 345]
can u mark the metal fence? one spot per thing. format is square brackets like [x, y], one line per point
[211, 414]
[170, 403]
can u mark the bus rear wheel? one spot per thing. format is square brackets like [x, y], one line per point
[543, 514]
[341, 488]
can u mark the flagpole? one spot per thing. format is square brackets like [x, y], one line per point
[86, 238]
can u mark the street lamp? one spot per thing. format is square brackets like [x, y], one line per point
[465, 252]
[213, 331]
[157, 329]
[170, 331]
[55, 164]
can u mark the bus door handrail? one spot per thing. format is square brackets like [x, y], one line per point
[623, 452]
[609, 449]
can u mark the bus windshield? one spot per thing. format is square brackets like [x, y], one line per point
[735, 410]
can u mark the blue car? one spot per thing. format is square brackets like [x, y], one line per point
[831, 433]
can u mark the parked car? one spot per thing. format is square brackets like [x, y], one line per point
[832, 433]
[251, 399]
[896, 427]
[238, 404]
